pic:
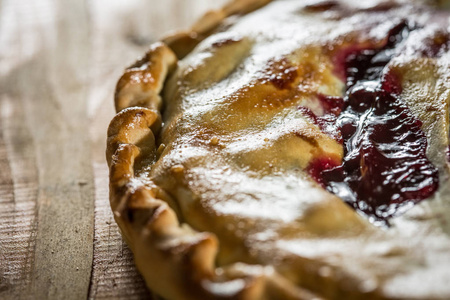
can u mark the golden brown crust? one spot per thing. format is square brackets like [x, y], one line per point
[178, 261]
[184, 259]
[142, 82]
[183, 42]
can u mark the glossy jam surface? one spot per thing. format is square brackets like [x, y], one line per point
[385, 169]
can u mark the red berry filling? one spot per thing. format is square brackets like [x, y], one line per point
[385, 169]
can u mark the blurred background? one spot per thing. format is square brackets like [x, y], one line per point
[59, 63]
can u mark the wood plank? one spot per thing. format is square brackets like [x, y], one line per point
[64, 249]
[18, 195]
[50, 87]
[7, 272]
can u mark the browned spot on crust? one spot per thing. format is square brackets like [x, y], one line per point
[225, 42]
[441, 38]
[281, 74]
[339, 10]
[383, 6]
[310, 140]
[281, 84]
[437, 45]
[321, 6]
[276, 100]
[136, 76]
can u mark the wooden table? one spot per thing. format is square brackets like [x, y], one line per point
[59, 62]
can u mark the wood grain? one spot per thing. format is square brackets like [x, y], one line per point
[59, 61]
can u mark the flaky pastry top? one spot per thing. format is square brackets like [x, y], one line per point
[213, 195]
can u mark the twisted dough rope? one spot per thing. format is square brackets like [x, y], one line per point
[142, 82]
[184, 42]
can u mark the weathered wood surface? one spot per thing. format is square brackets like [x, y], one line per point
[59, 62]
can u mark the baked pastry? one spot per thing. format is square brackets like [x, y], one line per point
[289, 150]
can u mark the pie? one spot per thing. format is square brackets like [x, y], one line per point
[289, 149]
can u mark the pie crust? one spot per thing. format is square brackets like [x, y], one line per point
[213, 196]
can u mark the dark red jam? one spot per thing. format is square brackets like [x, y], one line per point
[385, 169]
